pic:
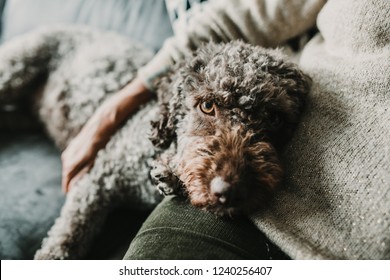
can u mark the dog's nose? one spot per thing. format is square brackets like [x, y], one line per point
[220, 188]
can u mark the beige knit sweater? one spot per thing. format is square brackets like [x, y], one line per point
[336, 199]
[268, 23]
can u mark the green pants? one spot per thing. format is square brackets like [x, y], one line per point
[177, 230]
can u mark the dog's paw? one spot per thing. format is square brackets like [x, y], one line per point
[165, 180]
[165, 189]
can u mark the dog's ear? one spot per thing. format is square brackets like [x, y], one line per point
[288, 103]
[296, 86]
[169, 96]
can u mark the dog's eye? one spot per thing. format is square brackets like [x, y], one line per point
[207, 107]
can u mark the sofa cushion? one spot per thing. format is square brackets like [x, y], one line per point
[144, 21]
[30, 190]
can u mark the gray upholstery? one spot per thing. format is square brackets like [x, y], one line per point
[123, 16]
[30, 194]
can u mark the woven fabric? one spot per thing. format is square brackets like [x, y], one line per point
[177, 230]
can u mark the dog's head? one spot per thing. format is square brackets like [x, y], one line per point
[229, 109]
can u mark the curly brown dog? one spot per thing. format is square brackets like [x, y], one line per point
[221, 117]
[225, 115]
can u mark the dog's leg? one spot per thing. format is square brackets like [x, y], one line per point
[119, 177]
[26, 60]
[163, 175]
[25, 64]
[82, 215]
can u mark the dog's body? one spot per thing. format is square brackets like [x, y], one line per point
[70, 72]
[218, 123]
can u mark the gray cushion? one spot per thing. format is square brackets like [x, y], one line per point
[30, 192]
[143, 21]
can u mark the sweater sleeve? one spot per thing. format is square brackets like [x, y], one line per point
[268, 23]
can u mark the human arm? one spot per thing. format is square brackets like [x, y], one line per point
[266, 23]
[79, 156]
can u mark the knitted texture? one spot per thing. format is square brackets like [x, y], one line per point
[335, 203]
[267, 23]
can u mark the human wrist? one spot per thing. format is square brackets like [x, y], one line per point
[117, 108]
[129, 99]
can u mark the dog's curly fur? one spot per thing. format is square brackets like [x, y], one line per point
[225, 160]
[70, 71]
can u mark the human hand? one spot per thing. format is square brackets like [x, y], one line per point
[79, 156]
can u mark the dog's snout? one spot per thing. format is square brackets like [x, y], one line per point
[225, 192]
[219, 187]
